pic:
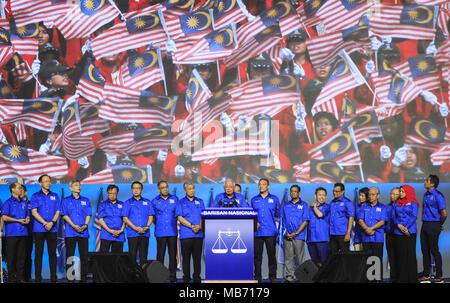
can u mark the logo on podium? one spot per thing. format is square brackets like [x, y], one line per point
[220, 246]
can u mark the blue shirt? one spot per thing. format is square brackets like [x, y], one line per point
[166, 221]
[17, 209]
[77, 210]
[222, 199]
[294, 215]
[371, 215]
[433, 203]
[138, 212]
[319, 228]
[46, 206]
[406, 215]
[190, 210]
[112, 215]
[268, 208]
[389, 226]
[340, 211]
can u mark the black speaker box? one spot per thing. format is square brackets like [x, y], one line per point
[344, 267]
[155, 271]
[115, 268]
[307, 270]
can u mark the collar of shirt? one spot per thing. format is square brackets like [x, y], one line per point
[42, 192]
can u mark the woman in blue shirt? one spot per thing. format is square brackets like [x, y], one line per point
[357, 238]
[405, 230]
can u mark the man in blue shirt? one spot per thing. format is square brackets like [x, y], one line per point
[45, 208]
[295, 216]
[372, 217]
[138, 216]
[268, 207]
[166, 227]
[318, 233]
[342, 214]
[188, 212]
[434, 214]
[110, 214]
[76, 212]
[229, 198]
[16, 217]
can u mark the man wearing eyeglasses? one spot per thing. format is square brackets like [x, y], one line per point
[342, 214]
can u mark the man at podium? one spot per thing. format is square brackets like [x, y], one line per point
[229, 198]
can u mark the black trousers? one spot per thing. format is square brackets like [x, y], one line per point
[191, 247]
[406, 259]
[171, 244]
[115, 246]
[392, 258]
[271, 243]
[337, 244]
[140, 244]
[429, 238]
[83, 249]
[40, 239]
[28, 257]
[16, 257]
[376, 249]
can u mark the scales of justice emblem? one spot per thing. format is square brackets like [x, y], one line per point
[220, 247]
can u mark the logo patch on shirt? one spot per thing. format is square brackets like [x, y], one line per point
[144, 203]
[270, 200]
[83, 202]
[119, 206]
[378, 209]
[197, 203]
[52, 198]
[300, 207]
[341, 204]
[171, 201]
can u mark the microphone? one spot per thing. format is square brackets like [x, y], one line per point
[220, 203]
[235, 203]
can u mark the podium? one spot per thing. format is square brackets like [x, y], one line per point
[229, 234]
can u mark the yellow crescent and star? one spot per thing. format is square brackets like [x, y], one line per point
[433, 133]
[322, 168]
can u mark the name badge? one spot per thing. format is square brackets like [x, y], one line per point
[119, 206]
[171, 201]
[341, 204]
[52, 198]
[270, 200]
[378, 209]
[83, 202]
[300, 207]
[145, 203]
[197, 203]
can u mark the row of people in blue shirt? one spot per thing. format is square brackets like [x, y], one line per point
[326, 228]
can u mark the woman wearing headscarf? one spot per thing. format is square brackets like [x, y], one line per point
[405, 216]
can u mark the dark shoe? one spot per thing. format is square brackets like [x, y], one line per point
[273, 280]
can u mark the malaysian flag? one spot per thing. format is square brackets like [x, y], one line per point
[324, 49]
[301, 172]
[215, 45]
[197, 92]
[141, 70]
[323, 171]
[203, 113]
[173, 8]
[426, 134]
[31, 164]
[344, 75]
[283, 13]
[34, 11]
[443, 53]
[19, 68]
[97, 222]
[339, 147]
[365, 125]
[142, 27]
[268, 95]
[75, 145]
[250, 45]
[340, 14]
[140, 140]
[125, 105]
[24, 38]
[227, 12]
[38, 113]
[389, 110]
[248, 141]
[6, 48]
[8, 174]
[191, 25]
[402, 90]
[121, 174]
[90, 122]
[440, 155]
[91, 83]
[423, 70]
[83, 18]
[417, 22]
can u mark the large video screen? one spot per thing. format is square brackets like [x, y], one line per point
[309, 91]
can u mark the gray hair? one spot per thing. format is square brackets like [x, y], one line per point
[376, 189]
[186, 184]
